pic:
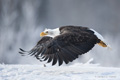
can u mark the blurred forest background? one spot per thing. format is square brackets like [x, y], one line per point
[21, 22]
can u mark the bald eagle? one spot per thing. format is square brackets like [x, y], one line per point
[65, 44]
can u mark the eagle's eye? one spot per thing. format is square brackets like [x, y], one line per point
[46, 32]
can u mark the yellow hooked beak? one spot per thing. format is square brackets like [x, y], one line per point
[43, 34]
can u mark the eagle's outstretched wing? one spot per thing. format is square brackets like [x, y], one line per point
[63, 48]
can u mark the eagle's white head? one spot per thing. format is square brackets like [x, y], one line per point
[50, 32]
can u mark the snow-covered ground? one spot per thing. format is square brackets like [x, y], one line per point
[77, 71]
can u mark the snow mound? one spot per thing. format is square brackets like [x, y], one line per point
[81, 71]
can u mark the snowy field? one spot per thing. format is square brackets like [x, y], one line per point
[77, 71]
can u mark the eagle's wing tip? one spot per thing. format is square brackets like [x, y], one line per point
[22, 50]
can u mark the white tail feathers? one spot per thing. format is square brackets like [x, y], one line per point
[102, 42]
[99, 36]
